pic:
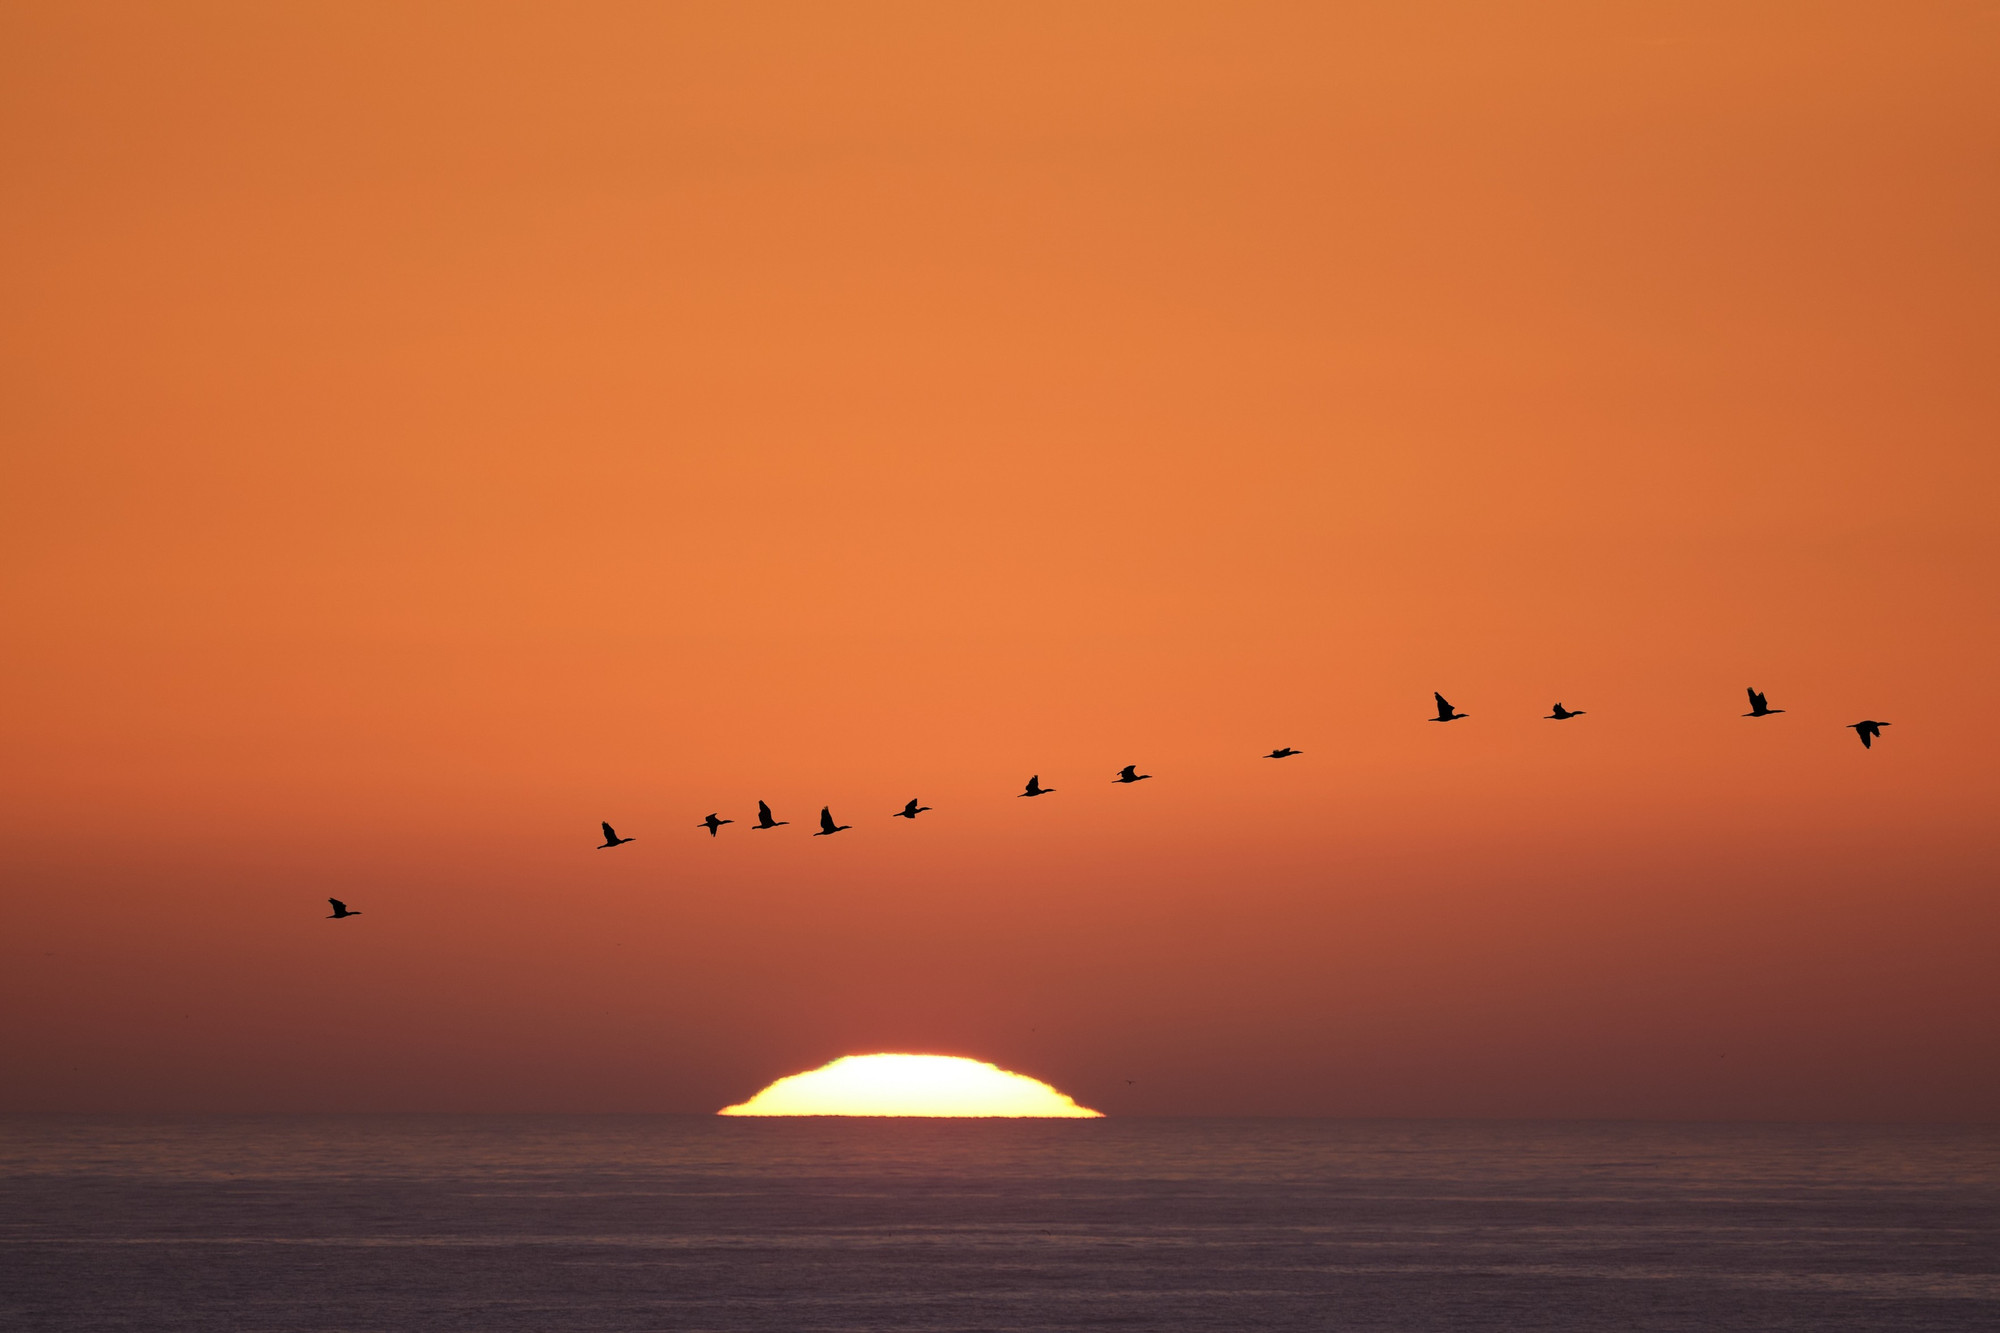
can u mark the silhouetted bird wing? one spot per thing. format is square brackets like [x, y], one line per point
[610, 834]
[826, 824]
[1444, 704]
[763, 811]
[339, 907]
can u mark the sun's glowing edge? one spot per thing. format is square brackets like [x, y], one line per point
[927, 1086]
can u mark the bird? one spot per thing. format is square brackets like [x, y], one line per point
[764, 819]
[910, 811]
[1758, 708]
[1035, 787]
[1445, 711]
[611, 838]
[1286, 753]
[339, 910]
[1127, 774]
[712, 824]
[826, 824]
[1868, 732]
[1564, 714]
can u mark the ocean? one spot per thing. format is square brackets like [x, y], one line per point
[550, 1223]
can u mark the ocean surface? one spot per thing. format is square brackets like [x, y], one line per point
[691, 1223]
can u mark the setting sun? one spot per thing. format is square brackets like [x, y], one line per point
[913, 1085]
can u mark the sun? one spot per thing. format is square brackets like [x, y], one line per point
[914, 1085]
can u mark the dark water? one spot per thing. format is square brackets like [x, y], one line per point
[556, 1223]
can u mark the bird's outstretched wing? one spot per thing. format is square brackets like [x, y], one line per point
[1756, 699]
[610, 834]
[1444, 704]
[338, 906]
[825, 819]
[763, 811]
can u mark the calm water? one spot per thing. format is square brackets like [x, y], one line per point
[557, 1223]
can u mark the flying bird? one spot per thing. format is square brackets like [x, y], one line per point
[910, 811]
[1869, 732]
[826, 824]
[1285, 753]
[1129, 774]
[712, 824]
[764, 819]
[1035, 787]
[1564, 714]
[611, 838]
[1758, 708]
[1445, 711]
[339, 910]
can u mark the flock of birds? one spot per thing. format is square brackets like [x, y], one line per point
[1868, 730]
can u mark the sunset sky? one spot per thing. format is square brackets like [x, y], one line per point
[426, 431]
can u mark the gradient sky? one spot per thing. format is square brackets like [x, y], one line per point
[429, 430]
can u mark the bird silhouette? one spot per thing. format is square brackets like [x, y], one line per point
[339, 910]
[1564, 714]
[764, 819]
[611, 838]
[1445, 711]
[1035, 787]
[910, 811]
[1868, 732]
[1758, 708]
[713, 825]
[826, 824]
[1128, 774]
[1286, 753]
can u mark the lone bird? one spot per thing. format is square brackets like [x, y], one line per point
[1285, 753]
[910, 811]
[1128, 774]
[1564, 714]
[339, 910]
[1868, 732]
[826, 824]
[1758, 708]
[1446, 713]
[611, 838]
[764, 819]
[712, 824]
[1035, 787]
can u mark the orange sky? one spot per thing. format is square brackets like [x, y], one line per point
[431, 430]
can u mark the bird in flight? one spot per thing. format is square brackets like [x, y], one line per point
[339, 910]
[1035, 787]
[611, 838]
[1286, 753]
[910, 811]
[1129, 773]
[1564, 714]
[764, 819]
[713, 824]
[1445, 711]
[1758, 708]
[1869, 732]
[826, 824]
